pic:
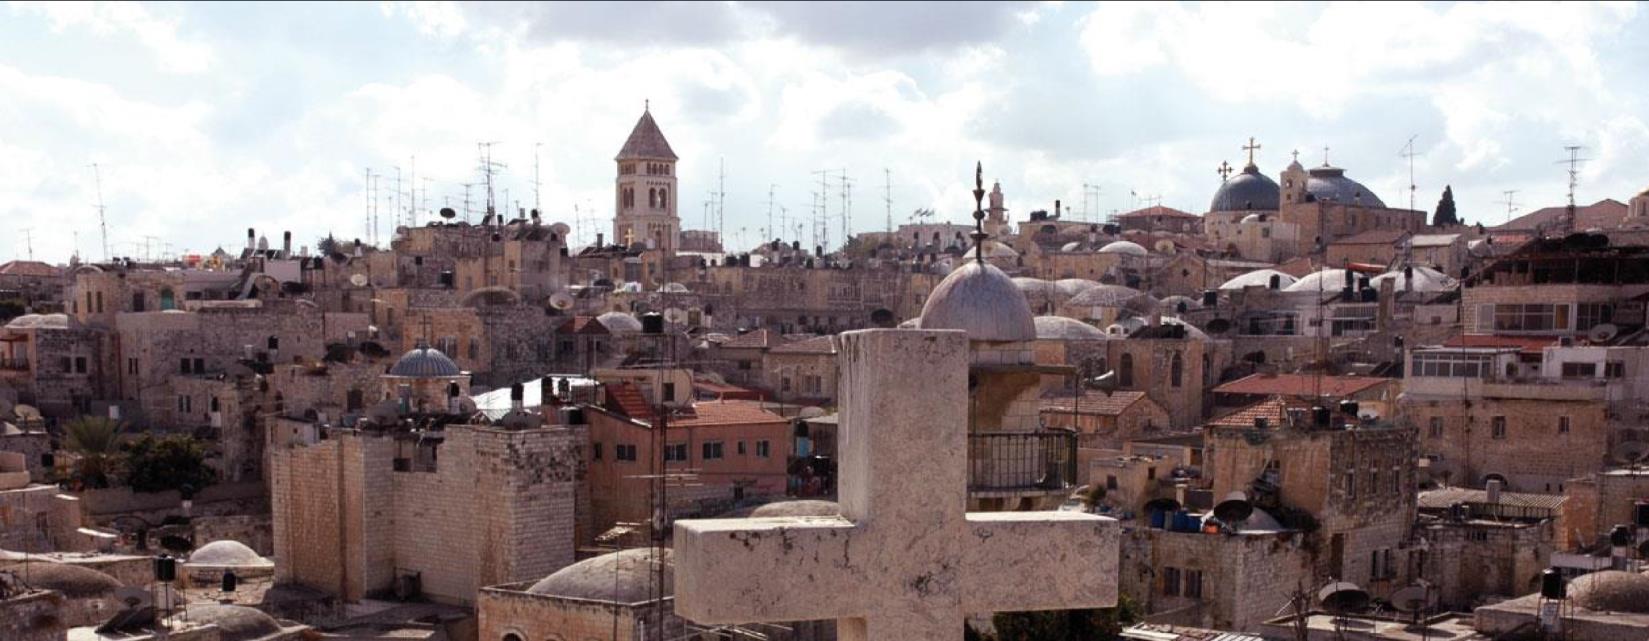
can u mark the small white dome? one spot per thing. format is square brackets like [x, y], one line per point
[1059, 328]
[226, 552]
[1425, 279]
[619, 322]
[1069, 287]
[1328, 280]
[1259, 278]
[1125, 247]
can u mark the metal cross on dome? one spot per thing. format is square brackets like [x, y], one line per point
[1224, 171]
[979, 234]
[1250, 147]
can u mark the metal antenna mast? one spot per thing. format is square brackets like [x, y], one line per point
[28, 240]
[887, 198]
[102, 218]
[367, 178]
[488, 169]
[1408, 152]
[1573, 161]
[721, 198]
[412, 194]
[1087, 189]
[1511, 205]
[396, 218]
[537, 205]
[847, 207]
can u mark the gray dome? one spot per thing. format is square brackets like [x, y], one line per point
[1611, 591]
[619, 323]
[797, 508]
[424, 362]
[1059, 328]
[238, 622]
[73, 581]
[1069, 287]
[1171, 304]
[981, 300]
[1247, 191]
[1114, 296]
[620, 577]
[1425, 279]
[229, 553]
[40, 321]
[1331, 184]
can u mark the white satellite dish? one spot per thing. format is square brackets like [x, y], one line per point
[1602, 333]
[561, 229]
[675, 316]
[561, 300]
[358, 280]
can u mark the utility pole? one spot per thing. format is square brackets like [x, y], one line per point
[1408, 152]
[102, 217]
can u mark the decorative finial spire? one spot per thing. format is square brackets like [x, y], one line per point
[1224, 171]
[979, 234]
[1250, 147]
[1325, 156]
[646, 104]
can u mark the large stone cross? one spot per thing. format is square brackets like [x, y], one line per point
[904, 561]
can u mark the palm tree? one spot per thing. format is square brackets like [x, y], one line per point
[96, 440]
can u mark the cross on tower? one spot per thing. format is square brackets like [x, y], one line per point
[1296, 154]
[904, 561]
[1224, 171]
[1250, 147]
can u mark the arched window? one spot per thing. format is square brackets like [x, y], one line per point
[512, 637]
[1176, 371]
[664, 198]
[652, 197]
[1125, 378]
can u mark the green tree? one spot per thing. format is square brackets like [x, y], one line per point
[1100, 624]
[1445, 216]
[167, 463]
[95, 441]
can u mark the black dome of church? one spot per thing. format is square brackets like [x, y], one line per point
[1247, 191]
[1330, 184]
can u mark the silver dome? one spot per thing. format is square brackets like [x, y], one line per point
[424, 362]
[1330, 184]
[982, 301]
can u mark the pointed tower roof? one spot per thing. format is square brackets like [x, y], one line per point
[646, 141]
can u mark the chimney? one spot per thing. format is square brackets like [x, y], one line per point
[1493, 488]
[251, 238]
[286, 244]
[600, 239]
[1056, 208]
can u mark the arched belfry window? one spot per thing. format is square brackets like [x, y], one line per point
[1176, 371]
[664, 198]
[652, 197]
[1125, 377]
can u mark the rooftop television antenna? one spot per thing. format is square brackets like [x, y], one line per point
[489, 168]
[102, 219]
[1573, 161]
[1408, 152]
[1511, 205]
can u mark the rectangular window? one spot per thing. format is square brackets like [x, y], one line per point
[1435, 430]
[1396, 481]
[745, 365]
[1110, 481]
[764, 449]
[183, 366]
[1170, 581]
[1351, 485]
[669, 392]
[80, 364]
[712, 450]
[624, 452]
[1497, 427]
[784, 384]
[1562, 425]
[1531, 317]
[1193, 584]
[131, 366]
[1150, 474]
[675, 452]
[1580, 370]
[1589, 315]
[1614, 369]
[595, 451]
[741, 448]
[1453, 364]
[200, 366]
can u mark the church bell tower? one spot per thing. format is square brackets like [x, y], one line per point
[645, 193]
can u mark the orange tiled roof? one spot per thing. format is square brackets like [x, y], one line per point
[1527, 344]
[626, 398]
[1274, 410]
[758, 339]
[29, 268]
[1299, 385]
[1158, 210]
[721, 413]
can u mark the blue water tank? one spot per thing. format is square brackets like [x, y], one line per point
[1159, 519]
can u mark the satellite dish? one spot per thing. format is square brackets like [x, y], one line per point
[1342, 597]
[675, 316]
[1629, 453]
[448, 213]
[1234, 508]
[561, 300]
[561, 229]
[1413, 599]
[1106, 382]
[358, 280]
[1164, 246]
[1602, 333]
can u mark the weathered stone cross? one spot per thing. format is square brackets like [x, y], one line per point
[905, 561]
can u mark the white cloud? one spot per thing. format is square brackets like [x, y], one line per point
[174, 52]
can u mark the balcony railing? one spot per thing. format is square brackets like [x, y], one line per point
[1021, 462]
[21, 364]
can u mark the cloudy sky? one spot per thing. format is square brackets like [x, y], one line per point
[207, 119]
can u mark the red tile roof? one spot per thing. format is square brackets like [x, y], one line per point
[1299, 385]
[29, 268]
[1274, 410]
[722, 413]
[1094, 402]
[626, 398]
[1527, 344]
[1604, 214]
[724, 391]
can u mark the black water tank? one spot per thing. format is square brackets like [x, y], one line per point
[165, 568]
[1321, 417]
[1276, 281]
[1210, 298]
[1620, 536]
[1348, 407]
[1552, 585]
[652, 323]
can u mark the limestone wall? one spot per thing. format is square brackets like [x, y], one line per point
[33, 617]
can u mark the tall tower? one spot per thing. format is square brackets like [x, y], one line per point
[645, 194]
[996, 217]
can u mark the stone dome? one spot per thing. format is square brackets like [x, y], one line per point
[1253, 218]
[1073, 246]
[674, 288]
[424, 362]
[1330, 184]
[1125, 247]
[797, 508]
[1059, 328]
[1611, 591]
[994, 249]
[237, 622]
[1069, 287]
[1425, 279]
[619, 323]
[982, 301]
[1114, 296]
[1171, 304]
[1327, 280]
[225, 553]
[1259, 278]
[40, 321]
[619, 577]
[1247, 191]
[73, 581]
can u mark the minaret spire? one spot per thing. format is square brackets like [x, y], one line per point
[979, 234]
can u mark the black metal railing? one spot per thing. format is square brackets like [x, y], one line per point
[1021, 461]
